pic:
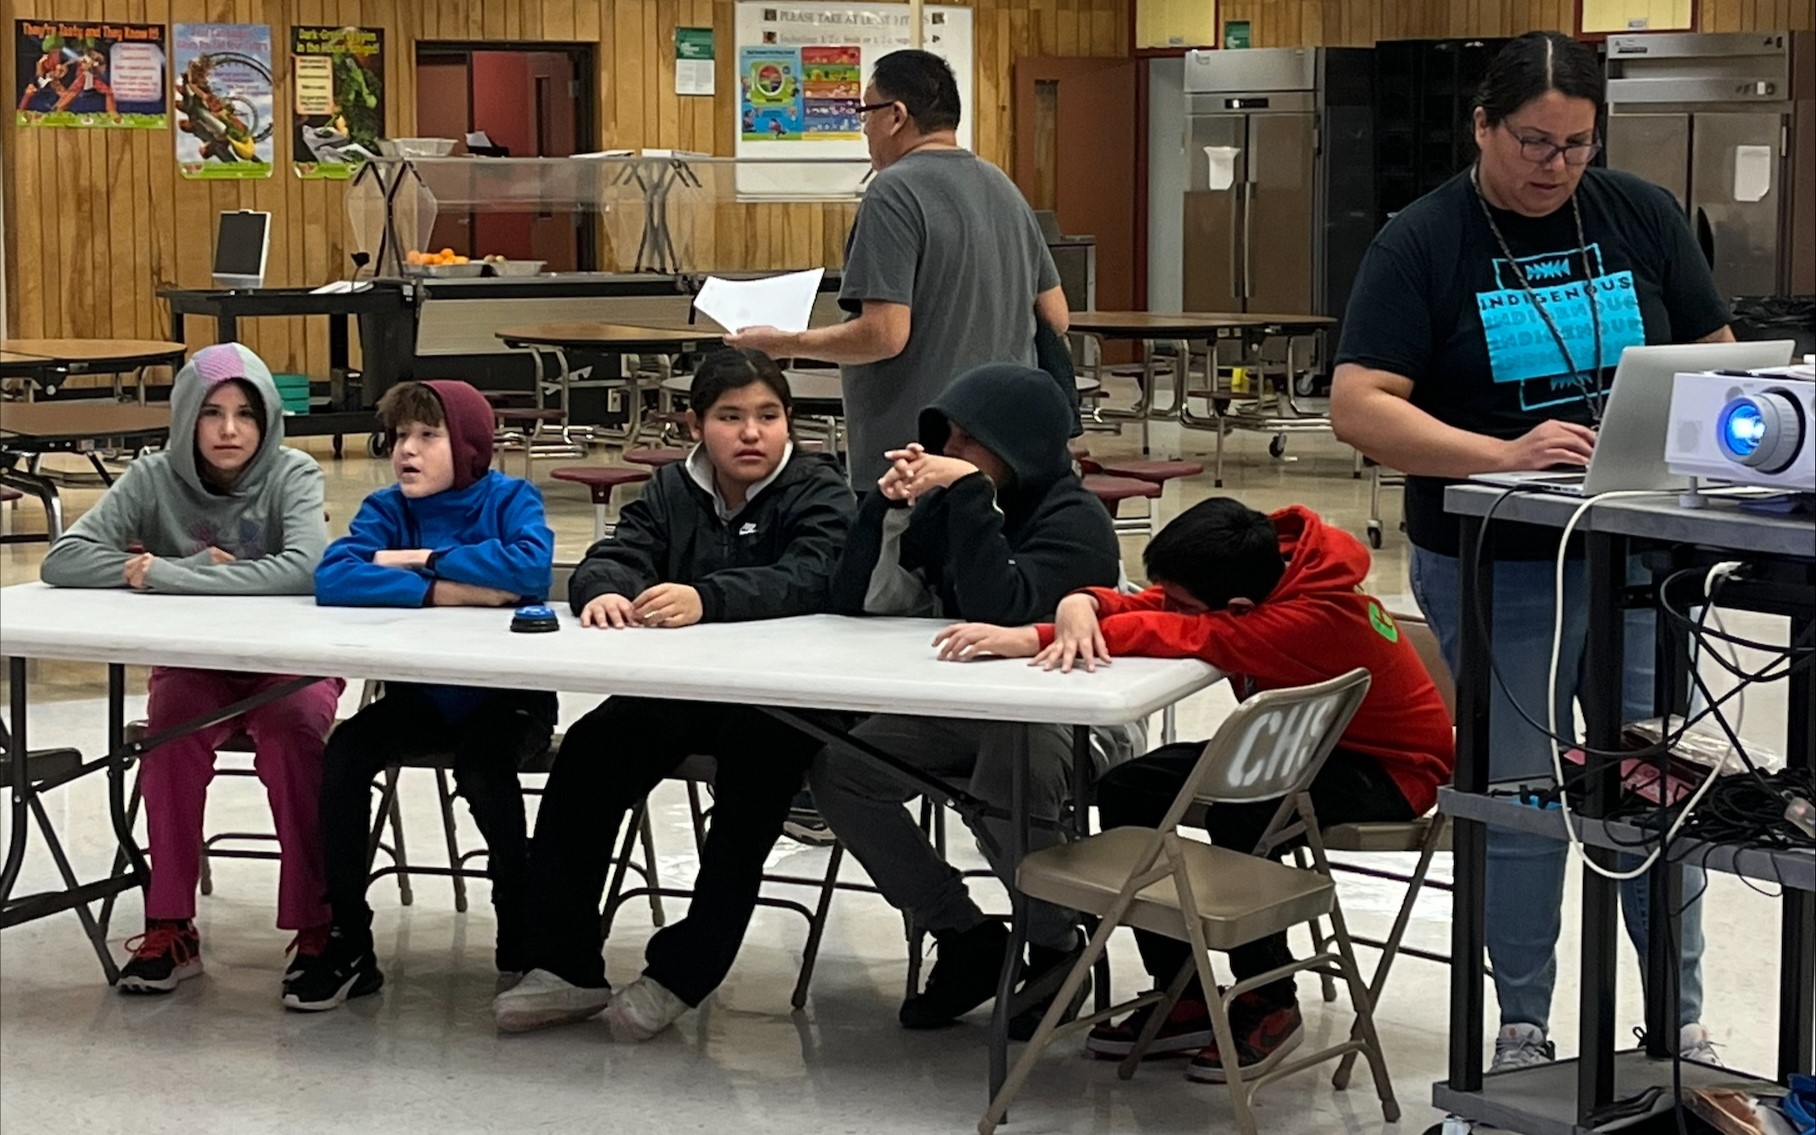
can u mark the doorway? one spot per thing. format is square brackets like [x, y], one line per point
[528, 102]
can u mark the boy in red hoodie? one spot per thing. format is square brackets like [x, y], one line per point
[1273, 602]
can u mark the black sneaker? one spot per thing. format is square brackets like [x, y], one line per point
[805, 824]
[169, 952]
[1266, 1030]
[345, 968]
[1042, 961]
[965, 976]
[1186, 1030]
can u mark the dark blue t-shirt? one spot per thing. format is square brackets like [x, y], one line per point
[1435, 301]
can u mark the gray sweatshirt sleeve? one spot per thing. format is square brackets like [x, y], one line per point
[289, 571]
[92, 551]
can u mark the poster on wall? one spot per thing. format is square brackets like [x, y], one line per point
[90, 74]
[769, 79]
[694, 67]
[802, 69]
[225, 110]
[338, 76]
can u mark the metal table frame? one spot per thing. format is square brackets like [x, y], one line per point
[661, 344]
[1613, 532]
[19, 446]
[1208, 329]
[98, 362]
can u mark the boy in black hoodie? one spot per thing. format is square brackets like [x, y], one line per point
[748, 527]
[983, 520]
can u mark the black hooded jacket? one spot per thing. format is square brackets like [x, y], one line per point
[772, 559]
[975, 551]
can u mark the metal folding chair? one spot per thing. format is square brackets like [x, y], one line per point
[1425, 837]
[1270, 747]
[697, 771]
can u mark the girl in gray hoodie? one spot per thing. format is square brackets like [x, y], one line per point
[225, 510]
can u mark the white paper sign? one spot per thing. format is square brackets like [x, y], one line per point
[1222, 166]
[783, 302]
[1752, 172]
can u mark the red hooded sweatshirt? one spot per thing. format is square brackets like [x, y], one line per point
[1317, 623]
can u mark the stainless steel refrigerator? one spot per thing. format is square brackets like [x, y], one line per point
[1279, 202]
[1725, 123]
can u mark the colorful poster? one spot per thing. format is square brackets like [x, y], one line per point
[91, 74]
[771, 97]
[694, 61]
[834, 87]
[338, 75]
[225, 111]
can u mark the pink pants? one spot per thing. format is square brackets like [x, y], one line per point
[288, 735]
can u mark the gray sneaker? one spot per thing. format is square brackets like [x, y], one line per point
[1521, 1046]
[541, 1000]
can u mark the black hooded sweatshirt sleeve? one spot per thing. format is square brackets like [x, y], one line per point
[1067, 543]
[814, 525]
[1005, 558]
[630, 561]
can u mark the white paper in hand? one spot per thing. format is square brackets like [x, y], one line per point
[783, 302]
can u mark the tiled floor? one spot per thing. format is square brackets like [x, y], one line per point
[222, 1055]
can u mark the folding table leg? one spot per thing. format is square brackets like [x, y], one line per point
[116, 774]
[132, 819]
[1018, 904]
[97, 937]
[21, 779]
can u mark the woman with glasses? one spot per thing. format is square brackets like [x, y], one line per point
[1481, 336]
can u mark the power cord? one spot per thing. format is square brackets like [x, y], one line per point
[1557, 646]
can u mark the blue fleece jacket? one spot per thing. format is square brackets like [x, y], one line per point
[493, 533]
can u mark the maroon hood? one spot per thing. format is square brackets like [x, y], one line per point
[470, 429]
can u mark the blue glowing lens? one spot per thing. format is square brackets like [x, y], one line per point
[1742, 429]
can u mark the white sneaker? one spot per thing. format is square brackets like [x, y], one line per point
[1695, 1043]
[541, 999]
[641, 1010]
[1521, 1046]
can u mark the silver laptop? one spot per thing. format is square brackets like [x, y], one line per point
[1630, 447]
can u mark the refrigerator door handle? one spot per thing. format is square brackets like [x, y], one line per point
[1248, 241]
[1236, 206]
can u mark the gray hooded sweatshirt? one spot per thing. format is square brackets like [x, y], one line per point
[270, 520]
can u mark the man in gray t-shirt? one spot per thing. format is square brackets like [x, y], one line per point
[945, 269]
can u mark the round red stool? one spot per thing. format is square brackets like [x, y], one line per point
[1112, 491]
[600, 480]
[655, 458]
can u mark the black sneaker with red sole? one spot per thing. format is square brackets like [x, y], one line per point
[1265, 1031]
[1186, 1030]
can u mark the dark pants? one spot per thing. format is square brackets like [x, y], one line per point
[609, 761]
[1351, 788]
[488, 746]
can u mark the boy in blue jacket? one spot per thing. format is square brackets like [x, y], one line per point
[451, 533]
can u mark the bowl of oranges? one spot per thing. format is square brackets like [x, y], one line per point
[443, 265]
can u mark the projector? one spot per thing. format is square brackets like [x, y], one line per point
[1745, 427]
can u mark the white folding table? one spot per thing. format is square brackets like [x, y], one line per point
[817, 662]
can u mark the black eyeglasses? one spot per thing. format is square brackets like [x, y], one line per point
[868, 107]
[1540, 151]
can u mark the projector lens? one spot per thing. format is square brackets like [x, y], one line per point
[1742, 429]
[1763, 431]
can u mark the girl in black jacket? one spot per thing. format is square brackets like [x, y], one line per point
[748, 527]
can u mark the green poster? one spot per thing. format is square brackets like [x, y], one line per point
[1235, 33]
[694, 61]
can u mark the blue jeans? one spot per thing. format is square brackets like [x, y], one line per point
[1525, 882]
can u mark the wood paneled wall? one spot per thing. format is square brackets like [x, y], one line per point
[98, 220]
[1360, 23]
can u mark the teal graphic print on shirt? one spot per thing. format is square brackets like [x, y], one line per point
[1521, 348]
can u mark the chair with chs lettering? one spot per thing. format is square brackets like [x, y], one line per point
[1157, 879]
